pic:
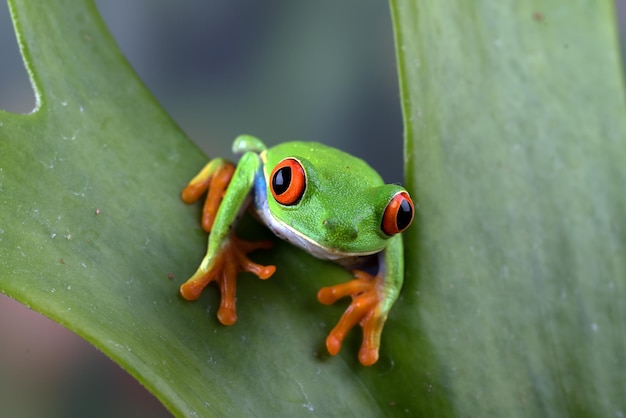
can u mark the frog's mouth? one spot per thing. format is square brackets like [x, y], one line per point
[311, 246]
[294, 237]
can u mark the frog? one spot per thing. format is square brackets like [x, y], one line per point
[320, 199]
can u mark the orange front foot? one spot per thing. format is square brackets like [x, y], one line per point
[214, 178]
[367, 297]
[223, 268]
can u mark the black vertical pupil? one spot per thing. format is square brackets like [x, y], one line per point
[404, 216]
[281, 180]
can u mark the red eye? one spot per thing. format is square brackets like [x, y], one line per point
[288, 182]
[398, 214]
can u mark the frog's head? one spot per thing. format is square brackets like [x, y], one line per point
[333, 199]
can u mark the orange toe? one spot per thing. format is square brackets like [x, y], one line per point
[227, 315]
[333, 343]
[368, 356]
[192, 289]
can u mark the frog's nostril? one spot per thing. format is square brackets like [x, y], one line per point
[341, 230]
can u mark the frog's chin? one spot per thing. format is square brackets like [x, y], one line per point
[294, 237]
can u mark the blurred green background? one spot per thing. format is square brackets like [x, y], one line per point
[280, 70]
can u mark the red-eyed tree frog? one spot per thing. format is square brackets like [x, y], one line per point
[329, 203]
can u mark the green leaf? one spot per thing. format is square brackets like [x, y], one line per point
[514, 296]
[516, 133]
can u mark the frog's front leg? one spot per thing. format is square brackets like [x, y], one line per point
[372, 299]
[222, 265]
[228, 196]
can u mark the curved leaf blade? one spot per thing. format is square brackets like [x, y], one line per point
[514, 116]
